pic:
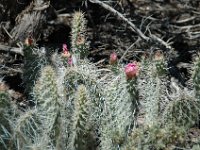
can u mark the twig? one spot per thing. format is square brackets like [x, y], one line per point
[151, 39]
[104, 5]
[7, 32]
[11, 49]
[124, 54]
[155, 39]
[184, 20]
[8, 70]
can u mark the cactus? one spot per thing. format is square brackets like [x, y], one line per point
[156, 137]
[8, 112]
[25, 128]
[152, 88]
[78, 106]
[117, 114]
[183, 110]
[5, 108]
[49, 104]
[79, 42]
[152, 99]
[80, 134]
[87, 74]
[34, 58]
[196, 77]
[183, 106]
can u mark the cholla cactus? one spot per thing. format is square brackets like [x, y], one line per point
[156, 137]
[49, 104]
[8, 114]
[5, 108]
[118, 112]
[183, 105]
[87, 74]
[78, 35]
[80, 135]
[75, 101]
[25, 129]
[152, 88]
[34, 58]
[196, 77]
[160, 64]
[183, 108]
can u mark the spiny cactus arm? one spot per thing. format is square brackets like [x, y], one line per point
[25, 128]
[6, 116]
[34, 58]
[49, 104]
[80, 127]
[196, 76]
[117, 114]
[78, 35]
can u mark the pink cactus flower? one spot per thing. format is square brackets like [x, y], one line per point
[29, 41]
[65, 49]
[70, 62]
[113, 58]
[131, 70]
[65, 53]
[158, 55]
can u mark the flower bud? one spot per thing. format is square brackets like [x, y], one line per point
[70, 62]
[158, 56]
[113, 58]
[28, 41]
[66, 54]
[80, 40]
[65, 49]
[131, 70]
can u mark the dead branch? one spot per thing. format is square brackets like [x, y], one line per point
[151, 39]
[11, 49]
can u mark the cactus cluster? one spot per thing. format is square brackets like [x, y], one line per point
[78, 106]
